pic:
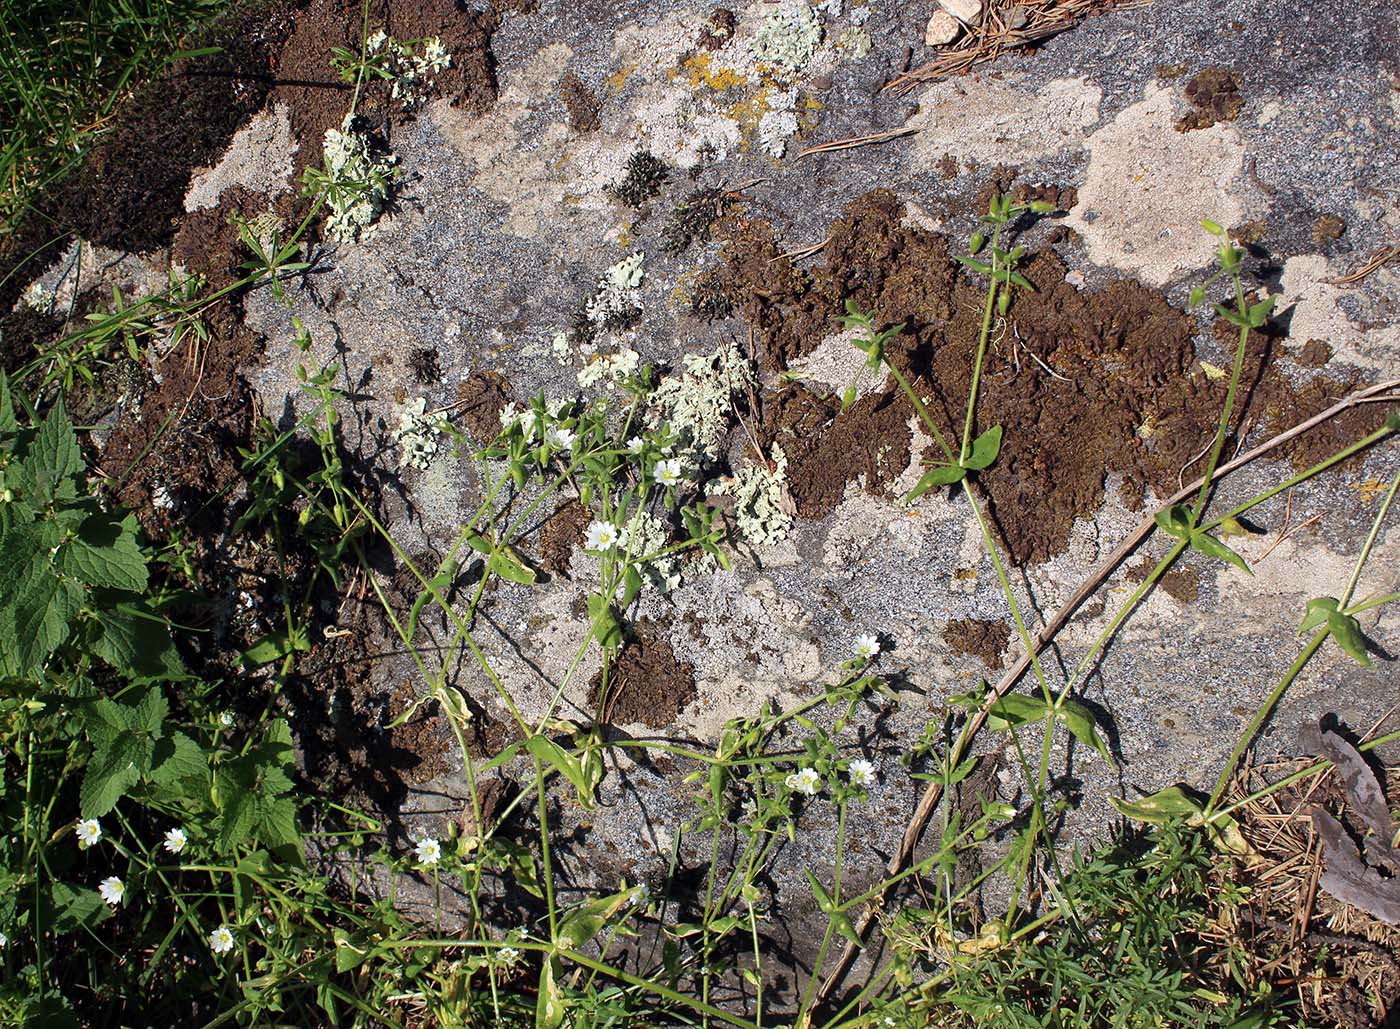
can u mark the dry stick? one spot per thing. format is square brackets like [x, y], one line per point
[1380, 257]
[801, 252]
[934, 791]
[855, 141]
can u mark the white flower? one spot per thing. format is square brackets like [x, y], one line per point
[867, 647]
[89, 832]
[508, 955]
[601, 536]
[428, 851]
[636, 445]
[641, 893]
[668, 472]
[560, 439]
[226, 718]
[112, 890]
[175, 840]
[4, 941]
[804, 781]
[221, 940]
[862, 772]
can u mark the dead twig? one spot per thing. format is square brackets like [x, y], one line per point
[855, 141]
[934, 791]
[1381, 257]
[801, 252]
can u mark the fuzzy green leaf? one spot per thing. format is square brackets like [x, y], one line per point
[985, 449]
[1233, 317]
[1205, 543]
[550, 1010]
[942, 475]
[824, 903]
[1197, 295]
[177, 758]
[111, 772]
[1319, 609]
[105, 553]
[7, 406]
[136, 642]
[274, 646]
[1015, 709]
[1163, 806]
[1346, 630]
[551, 754]
[1079, 720]
[975, 265]
[40, 616]
[54, 456]
[1174, 521]
[66, 907]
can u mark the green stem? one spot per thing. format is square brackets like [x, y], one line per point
[982, 338]
[1199, 507]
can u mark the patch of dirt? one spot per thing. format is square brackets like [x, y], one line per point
[1327, 228]
[480, 399]
[647, 684]
[1215, 96]
[1315, 353]
[981, 637]
[581, 104]
[1182, 583]
[23, 331]
[560, 533]
[1083, 383]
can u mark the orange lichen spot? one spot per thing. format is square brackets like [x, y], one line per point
[698, 72]
[613, 83]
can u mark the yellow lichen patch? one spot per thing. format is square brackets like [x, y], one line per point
[613, 83]
[1370, 489]
[698, 73]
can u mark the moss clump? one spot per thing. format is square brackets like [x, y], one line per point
[710, 300]
[691, 219]
[423, 363]
[646, 174]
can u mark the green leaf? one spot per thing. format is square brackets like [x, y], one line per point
[105, 553]
[1259, 313]
[178, 758]
[942, 475]
[606, 627]
[824, 903]
[1021, 280]
[238, 812]
[66, 907]
[985, 449]
[1079, 720]
[149, 713]
[1174, 521]
[553, 755]
[7, 405]
[1197, 295]
[1233, 317]
[54, 456]
[277, 824]
[506, 563]
[111, 772]
[1213, 228]
[1015, 709]
[975, 265]
[1318, 610]
[1346, 630]
[631, 585]
[1205, 543]
[43, 606]
[585, 922]
[1163, 806]
[550, 1010]
[274, 646]
[136, 641]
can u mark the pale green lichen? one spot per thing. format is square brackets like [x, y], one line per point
[614, 303]
[357, 182]
[609, 367]
[760, 513]
[697, 404]
[788, 37]
[410, 72]
[649, 536]
[419, 434]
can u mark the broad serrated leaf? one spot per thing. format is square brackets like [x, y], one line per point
[277, 824]
[943, 475]
[1205, 543]
[136, 642]
[110, 773]
[43, 606]
[1079, 720]
[105, 553]
[7, 406]
[1346, 630]
[148, 715]
[985, 449]
[66, 907]
[54, 456]
[177, 758]
[237, 815]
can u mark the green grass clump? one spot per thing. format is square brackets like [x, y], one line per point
[63, 69]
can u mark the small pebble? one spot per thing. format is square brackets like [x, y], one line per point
[966, 11]
[942, 29]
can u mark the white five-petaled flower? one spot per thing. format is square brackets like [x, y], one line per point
[175, 840]
[560, 439]
[668, 472]
[89, 831]
[112, 890]
[508, 955]
[602, 536]
[636, 445]
[221, 940]
[862, 772]
[805, 781]
[428, 851]
[867, 646]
